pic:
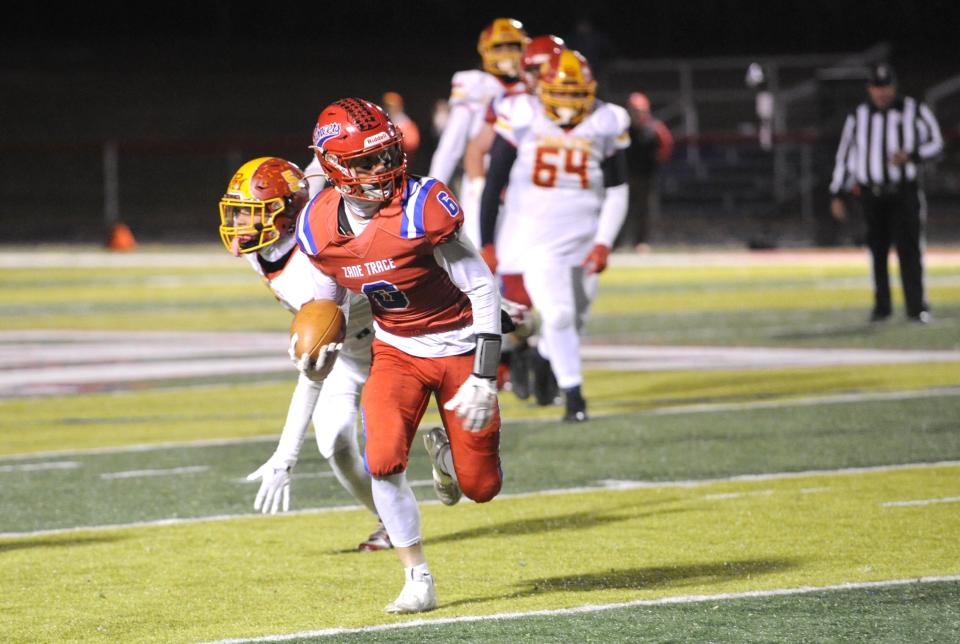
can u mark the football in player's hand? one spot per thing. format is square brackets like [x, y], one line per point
[316, 324]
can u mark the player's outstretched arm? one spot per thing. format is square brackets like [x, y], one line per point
[274, 475]
[452, 143]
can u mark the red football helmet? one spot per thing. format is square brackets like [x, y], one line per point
[567, 88]
[360, 150]
[538, 52]
[260, 204]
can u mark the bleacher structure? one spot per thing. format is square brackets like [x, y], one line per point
[723, 185]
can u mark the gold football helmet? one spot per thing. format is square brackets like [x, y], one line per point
[261, 204]
[567, 88]
[501, 46]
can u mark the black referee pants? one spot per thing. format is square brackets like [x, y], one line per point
[896, 217]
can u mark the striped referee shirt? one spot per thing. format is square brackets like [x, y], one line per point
[871, 136]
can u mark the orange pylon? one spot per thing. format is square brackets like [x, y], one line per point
[121, 238]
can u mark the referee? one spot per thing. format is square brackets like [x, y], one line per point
[883, 142]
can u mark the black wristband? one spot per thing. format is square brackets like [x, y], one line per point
[486, 358]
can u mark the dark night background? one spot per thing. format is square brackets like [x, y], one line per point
[192, 85]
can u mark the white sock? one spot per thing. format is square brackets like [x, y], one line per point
[417, 573]
[397, 507]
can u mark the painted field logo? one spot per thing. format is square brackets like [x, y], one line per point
[448, 202]
[323, 134]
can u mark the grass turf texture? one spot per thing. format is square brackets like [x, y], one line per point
[924, 613]
[535, 457]
[286, 574]
[180, 414]
[247, 576]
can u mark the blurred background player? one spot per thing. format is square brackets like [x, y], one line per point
[504, 257]
[651, 144]
[397, 239]
[563, 154]
[500, 46]
[257, 215]
[393, 105]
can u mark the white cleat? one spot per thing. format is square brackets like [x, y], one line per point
[417, 596]
[438, 445]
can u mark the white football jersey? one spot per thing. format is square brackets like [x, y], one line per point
[471, 91]
[556, 184]
[299, 281]
[475, 88]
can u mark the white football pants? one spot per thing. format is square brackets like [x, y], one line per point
[562, 294]
[335, 425]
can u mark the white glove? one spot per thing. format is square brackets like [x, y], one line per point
[474, 402]
[274, 488]
[315, 371]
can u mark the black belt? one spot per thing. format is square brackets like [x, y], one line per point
[888, 189]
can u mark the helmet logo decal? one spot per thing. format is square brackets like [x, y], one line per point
[237, 182]
[376, 138]
[293, 181]
[323, 134]
[364, 117]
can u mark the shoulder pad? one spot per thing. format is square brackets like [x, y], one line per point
[469, 86]
[430, 209]
[612, 120]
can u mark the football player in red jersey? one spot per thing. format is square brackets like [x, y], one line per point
[257, 214]
[397, 238]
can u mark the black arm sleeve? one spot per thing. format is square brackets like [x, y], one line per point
[614, 169]
[502, 156]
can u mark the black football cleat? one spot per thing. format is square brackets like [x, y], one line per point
[576, 406]
[520, 372]
[544, 387]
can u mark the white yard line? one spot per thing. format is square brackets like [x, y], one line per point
[828, 399]
[595, 608]
[145, 447]
[58, 362]
[612, 485]
[171, 471]
[37, 467]
[917, 502]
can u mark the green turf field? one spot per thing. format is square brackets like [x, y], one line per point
[721, 504]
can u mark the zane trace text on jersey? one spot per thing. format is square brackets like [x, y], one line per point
[556, 183]
[391, 261]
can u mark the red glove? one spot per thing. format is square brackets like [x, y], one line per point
[596, 261]
[489, 255]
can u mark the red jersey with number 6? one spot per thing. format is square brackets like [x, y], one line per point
[392, 261]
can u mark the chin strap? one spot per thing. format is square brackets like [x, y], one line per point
[487, 356]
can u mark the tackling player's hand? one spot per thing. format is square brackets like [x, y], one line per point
[274, 489]
[596, 261]
[489, 254]
[314, 370]
[474, 402]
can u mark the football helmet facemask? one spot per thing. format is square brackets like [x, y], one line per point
[537, 53]
[501, 46]
[359, 149]
[261, 203]
[567, 88]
